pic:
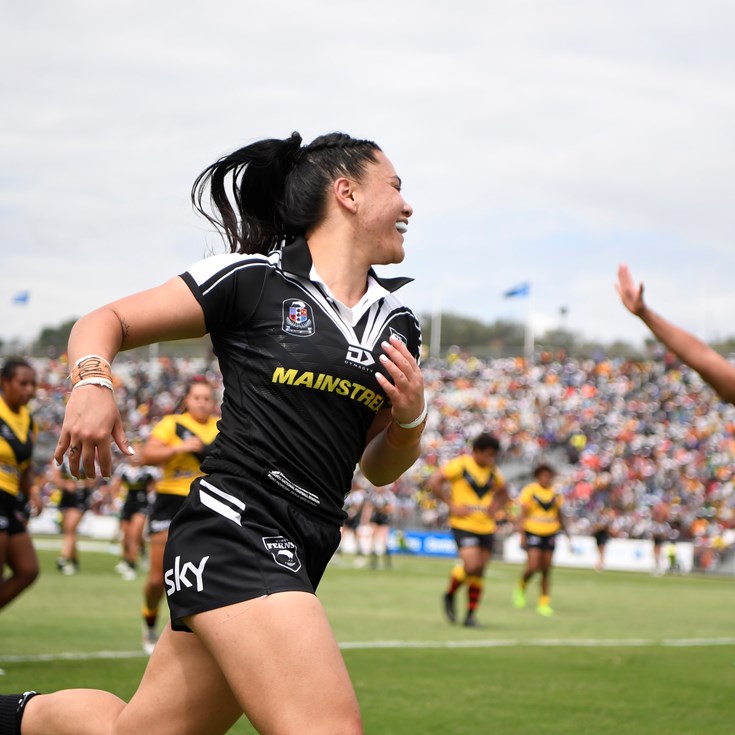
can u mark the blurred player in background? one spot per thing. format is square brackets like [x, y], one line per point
[17, 436]
[540, 522]
[178, 444]
[354, 503]
[74, 501]
[134, 482]
[601, 531]
[380, 505]
[474, 490]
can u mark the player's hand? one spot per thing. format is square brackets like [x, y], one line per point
[91, 421]
[460, 511]
[630, 294]
[406, 391]
[192, 444]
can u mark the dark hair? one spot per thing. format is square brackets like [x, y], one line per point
[543, 467]
[270, 192]
[485, 441]
[11, 366]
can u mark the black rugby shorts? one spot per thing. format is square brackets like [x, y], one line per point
[12, 517]
[232, 541]
[135, 502]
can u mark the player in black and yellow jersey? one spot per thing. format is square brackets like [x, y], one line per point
[17, 436]
[474, 489]
[177, 444]
[540, 522]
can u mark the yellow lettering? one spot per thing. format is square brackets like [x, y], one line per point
[377, 403]
[307, 379]
[343, 389]
[356, 388]
[329, 383]
[284, 376]
[367, 396]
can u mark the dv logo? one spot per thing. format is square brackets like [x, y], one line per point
[177, 576]
[359, 355]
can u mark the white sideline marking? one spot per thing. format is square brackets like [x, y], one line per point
[367, 645]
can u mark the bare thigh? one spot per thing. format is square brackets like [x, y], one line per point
[475, 559]
[183, 692]
[283, 663]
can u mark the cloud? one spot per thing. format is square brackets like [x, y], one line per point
[537, 141]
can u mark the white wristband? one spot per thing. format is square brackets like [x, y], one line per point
[420, 420]
[95, 381]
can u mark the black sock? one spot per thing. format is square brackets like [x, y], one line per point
[11, 711]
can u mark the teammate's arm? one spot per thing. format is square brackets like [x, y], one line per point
[712, 366]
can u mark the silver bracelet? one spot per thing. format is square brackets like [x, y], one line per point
[420, 420]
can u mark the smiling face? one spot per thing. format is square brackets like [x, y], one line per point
[382, 212]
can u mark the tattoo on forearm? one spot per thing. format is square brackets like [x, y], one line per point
[125, 330]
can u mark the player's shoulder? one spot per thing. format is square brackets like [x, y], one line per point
[214, 268]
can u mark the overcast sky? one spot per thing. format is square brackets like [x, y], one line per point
[538, 141]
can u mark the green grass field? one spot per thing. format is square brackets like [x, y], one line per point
[625, 653]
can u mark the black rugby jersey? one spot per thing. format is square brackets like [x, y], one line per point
[300, 391]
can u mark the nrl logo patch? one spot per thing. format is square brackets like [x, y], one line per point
[283, 552]
[298, 318]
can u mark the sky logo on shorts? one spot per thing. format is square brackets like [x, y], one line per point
[283, 552]
[179, 575]
[298, 319]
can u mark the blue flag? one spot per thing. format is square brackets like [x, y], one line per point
[22, 297]
[522, 289]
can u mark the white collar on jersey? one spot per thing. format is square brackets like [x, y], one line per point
[374, 293]
[296, 259]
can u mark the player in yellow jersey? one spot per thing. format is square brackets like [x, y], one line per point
[474, 489]
[17, 436]
[540, 522]
[178, 443]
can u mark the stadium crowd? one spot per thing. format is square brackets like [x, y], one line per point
[647, 439]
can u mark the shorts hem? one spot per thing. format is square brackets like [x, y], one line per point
[176, 623]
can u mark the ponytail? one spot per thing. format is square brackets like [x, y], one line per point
[268, 193]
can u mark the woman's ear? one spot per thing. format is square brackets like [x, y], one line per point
[344, 192]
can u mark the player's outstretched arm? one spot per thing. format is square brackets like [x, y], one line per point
[714, 368]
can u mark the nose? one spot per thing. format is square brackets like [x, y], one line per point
[407, 209]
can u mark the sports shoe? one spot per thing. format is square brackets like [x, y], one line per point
[128, 574]
[519, 597]
[68, 568]
[449, 608]
[121, 566]
[471, 622]
[150, 638]
[545, 610]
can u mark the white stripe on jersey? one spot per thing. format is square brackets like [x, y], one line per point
[227, 264]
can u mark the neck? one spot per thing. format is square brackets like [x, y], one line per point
[340, 267]
[14, 407]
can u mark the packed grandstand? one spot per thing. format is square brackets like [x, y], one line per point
[647, 439]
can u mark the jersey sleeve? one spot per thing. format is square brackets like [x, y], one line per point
[227, 287]
[165, 429]
[453, 469]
